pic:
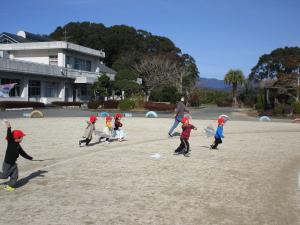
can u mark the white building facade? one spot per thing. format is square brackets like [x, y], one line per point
[48, 71]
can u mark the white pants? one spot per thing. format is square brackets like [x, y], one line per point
[119, 134]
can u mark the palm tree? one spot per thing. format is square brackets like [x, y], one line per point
[234, 78]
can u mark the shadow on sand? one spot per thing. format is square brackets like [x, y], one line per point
[23, 181]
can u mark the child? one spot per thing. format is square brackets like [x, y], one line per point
[108, 126]
[184, 146]
[107, 130]
[118, 132]
[219, 133]
[14, 149]
[88, 133]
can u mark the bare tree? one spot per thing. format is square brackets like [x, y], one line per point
[159, 70]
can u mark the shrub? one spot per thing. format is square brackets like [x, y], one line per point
[224, 102]
[67, 103]
[296, 107]
[17, 104]
[165, 94]
[152, 106]
[259, 105]
[110, 104]
[138, 101]
[278, 109]
[194, 100]
[126, 104]
[94, 104]
[208, 96]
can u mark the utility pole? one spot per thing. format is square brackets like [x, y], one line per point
[65, 35]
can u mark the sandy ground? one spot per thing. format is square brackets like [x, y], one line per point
[253, 179]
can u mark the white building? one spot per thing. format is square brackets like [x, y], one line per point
[47, 70]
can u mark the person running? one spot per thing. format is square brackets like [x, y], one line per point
[179, 114]
[184, 147]
[219, 133]
[88, 133]
[13, 150]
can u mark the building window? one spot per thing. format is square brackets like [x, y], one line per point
[68, 62]
[34, 88]
[53, 60]
[81, 64]
[51, 89]
[77, 64]
[88, 66]
[15, 91]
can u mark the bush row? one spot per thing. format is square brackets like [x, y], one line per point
[67, 103]
[16, 104]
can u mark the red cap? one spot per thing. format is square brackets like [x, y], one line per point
[17, 134]
[184, 119]
[221, 120]
[118, 115]
[93, 118]
[108, 118]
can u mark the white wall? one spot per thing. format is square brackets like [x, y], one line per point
[37, 56]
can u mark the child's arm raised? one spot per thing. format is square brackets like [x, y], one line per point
[9, 133]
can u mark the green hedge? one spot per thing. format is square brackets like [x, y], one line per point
[126, 104]
[296, 107]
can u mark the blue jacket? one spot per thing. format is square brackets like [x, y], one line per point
[219, 132]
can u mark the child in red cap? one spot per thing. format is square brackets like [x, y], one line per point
[118, 131]
[14, 149]
[219, 133]
[88, 133]
[108, 128]
[184, 147]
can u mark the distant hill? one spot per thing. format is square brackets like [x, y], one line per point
[212, 83]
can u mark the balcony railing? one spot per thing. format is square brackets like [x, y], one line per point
[20, 66]
[29, 67]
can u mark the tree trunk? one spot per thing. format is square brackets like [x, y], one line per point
[234, 97]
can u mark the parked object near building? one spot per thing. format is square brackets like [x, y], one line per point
[264, 118]
[36, 114]
[45, 70]
[151, 114]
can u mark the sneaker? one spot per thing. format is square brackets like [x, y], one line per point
[9, 188]
[79, 143]
[107, 142]
[170, 135]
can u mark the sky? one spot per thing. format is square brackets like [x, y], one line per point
[219, 34]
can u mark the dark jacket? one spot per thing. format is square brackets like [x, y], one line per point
[118, 124]
[180, 109]
[13, 150]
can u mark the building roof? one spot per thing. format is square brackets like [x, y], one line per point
[105, 69]
[14, 38]
[51, 45]
[33, 37]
